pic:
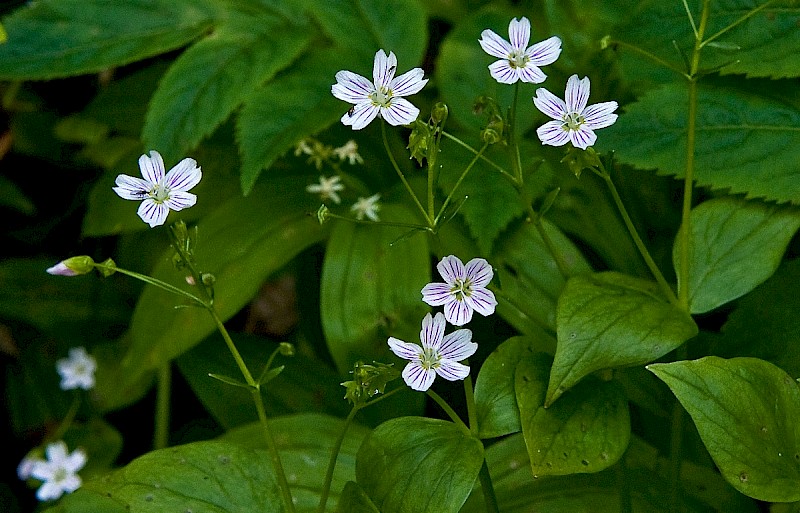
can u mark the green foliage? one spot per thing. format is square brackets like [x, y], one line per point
[354, 500]
[419, 465]
[734, 246]
[735, 146]
[754, 442]
[585, 431]
[60, 38]
[608, 320]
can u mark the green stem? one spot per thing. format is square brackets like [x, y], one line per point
[742, 19]
[382, 223]
[662, 282]
[487, 487]
[232, 348]
[153, 281]
[516, 163]
[623, 484]
[69, 418]
[491, 163]
[424, 212]
[163, 391]
[450, 412]
[676, 445]
[337, 447]
[472, 412]
[458, 182]
[644, 53]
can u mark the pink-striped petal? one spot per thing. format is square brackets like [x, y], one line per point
[432, 331]
[404, 350]
[600, 115]
[399, 112]
[408, 83]
[495, 45]
[519, 33]
[451, 268]
[178, 200]
[152, 167]
[531, 74]
[458, 313]
[183, 176]
[544, 52]
[131, 188]
[351, 87]
[153, 213]
[482, 301]
[583, 137]
[550, 104]
[452, 371]
[458, 345]
[417, 377]
[553, 134]
[361, 115]
[437, 294]
[503, 72]
[479, 272]
[383, 69]
[577, 94]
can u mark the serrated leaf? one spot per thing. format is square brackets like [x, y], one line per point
[210, 79]
[608, 320]
[586, 431]
[744, 142]
[233, 479]
[734, 246]
[418, 465]
[61, 38]
[746, 412]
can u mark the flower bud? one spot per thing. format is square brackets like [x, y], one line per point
[73, 266]
[439, 113]
[286, 349]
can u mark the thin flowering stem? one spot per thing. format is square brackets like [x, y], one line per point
[508, 176]
[163, 392]
[152, 281]
[644, 53]
[450, 411]
[403, 177]
[740, 20]
[691, 18]
[69, 418]
[487, 487]
[558, 258]
[516, 163]
[458, 183]
[472, 413]
[382, 223]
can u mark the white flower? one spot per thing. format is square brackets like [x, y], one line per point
[302, 148]
[327, 188]
[574, 121]
[517, 60]
[349, 152]
[25, 467]
[382, 97]
[367, 207]
[160, 193]
[464, 291]
[77, 371]
[439, 354]
[58, 473]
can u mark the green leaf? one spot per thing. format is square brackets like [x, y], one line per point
[61, 38]
[259, 234]
[371, 287]
[746, 411]
[354, 500]
[228, 381]
[203, 476]
[608, 320]
[305, 443]
[586, 431]
[210, 79]
[737, 133]
[495, 399]
[11, 196]
[734, 246]
[418, 465]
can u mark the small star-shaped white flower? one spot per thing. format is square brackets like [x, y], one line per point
[77, 371]
[382, 96]
[160, 193]
[464, 291]
[58, 472]
[574, 121]
[439, 354]
[327, 188]
[368, 207]
[517, 60]
[349, 152]
[25, 467]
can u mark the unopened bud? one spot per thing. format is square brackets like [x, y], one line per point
[73, 266]
[286, 349]
[439, 113]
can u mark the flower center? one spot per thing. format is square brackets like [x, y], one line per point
[461, 289]
[60, 474]
[572, 121]
[159, 193]
[518, 59]
[381, 97]
[430, 358]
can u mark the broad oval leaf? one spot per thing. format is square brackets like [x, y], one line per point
[419, 465]
[744, 142]
[585, 431]
[213, 477]
[746, 412]
[61, 38]
[354, 500]
[734, 246]
[608, 320]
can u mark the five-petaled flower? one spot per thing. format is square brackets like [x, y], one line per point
[58, 472]
[349, 152]
[327, 188]
[574, 121]
[439, 354]
[367, 207]
[517, 60]
[77, 371]
[382, 96]
[160, 192]
[464, 291]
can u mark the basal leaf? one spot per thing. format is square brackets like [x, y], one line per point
[354, 500]
[608, 320]
[60, 38]
[746, 411]
[586, 431]
[418, 465]
[213, 477]
[734, 246]
[744, 142]
[210, 79]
